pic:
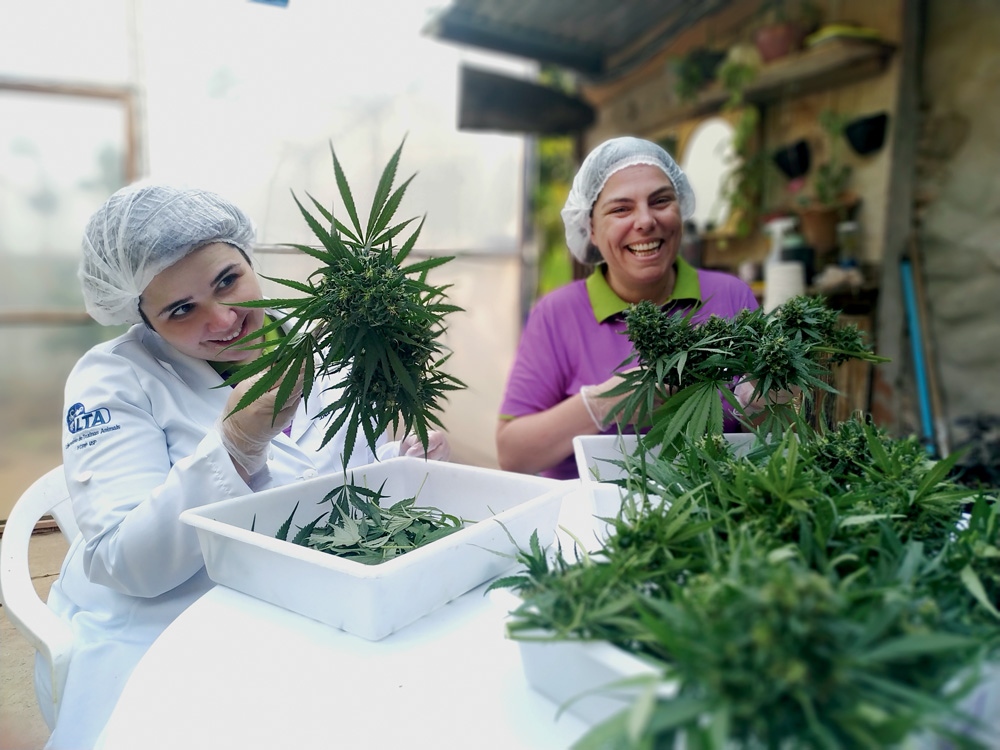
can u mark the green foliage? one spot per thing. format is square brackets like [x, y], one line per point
[360, 529]
[362, 316]
[746, 183]
[735, 76]
[804, 12]
[556, 167]
[789, 349]
[694, 71]
[822, 591]
[832, 177]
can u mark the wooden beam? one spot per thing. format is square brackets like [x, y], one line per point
[91, 91]
[44, 317]
[889, 318]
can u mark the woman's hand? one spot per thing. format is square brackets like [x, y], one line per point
[604, 409]
[437, 446]
[744, 396]
[247, 434]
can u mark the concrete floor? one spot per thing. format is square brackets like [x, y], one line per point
[21, 724]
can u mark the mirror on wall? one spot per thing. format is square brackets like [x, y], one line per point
[707, 160]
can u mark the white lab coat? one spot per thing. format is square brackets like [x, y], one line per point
[139, 447]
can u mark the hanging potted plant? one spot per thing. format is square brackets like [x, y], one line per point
[830, 201]
[694, 71]
[746, 182]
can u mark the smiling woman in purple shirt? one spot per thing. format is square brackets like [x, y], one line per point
[625, 213]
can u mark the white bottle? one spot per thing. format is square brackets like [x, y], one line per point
[783, 279]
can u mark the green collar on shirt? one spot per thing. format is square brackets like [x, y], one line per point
[226, 369]
[607, 304]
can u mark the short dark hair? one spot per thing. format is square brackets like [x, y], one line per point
[144, 318]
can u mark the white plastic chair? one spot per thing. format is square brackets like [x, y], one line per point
[49, 635]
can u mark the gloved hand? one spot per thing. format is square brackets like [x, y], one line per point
[247, 434]
[744, 396]
[438, 448]
[604, 409]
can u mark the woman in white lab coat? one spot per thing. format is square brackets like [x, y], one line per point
[144, 436]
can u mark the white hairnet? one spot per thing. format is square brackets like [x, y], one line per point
[142, 229]
[608, 158]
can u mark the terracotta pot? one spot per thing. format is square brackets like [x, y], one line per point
[778, 40]
[819, 226]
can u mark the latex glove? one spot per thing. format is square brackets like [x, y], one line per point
[744, 396]
[437, 446]
[247, 434]
[603, 409]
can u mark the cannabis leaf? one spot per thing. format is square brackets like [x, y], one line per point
[359, 528]
[362, 317]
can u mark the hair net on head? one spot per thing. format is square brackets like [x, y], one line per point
[142, 229]
[610, 157]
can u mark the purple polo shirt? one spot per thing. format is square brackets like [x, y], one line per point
[575, 336]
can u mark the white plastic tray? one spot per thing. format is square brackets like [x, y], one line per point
[373, 601]
[580, 676]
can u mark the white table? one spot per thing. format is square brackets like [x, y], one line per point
[234, 671]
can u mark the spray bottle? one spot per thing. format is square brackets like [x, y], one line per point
[783, 279]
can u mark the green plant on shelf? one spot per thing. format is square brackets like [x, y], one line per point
[694, 71]
[734, 75]
[803, 12]
[832, 177]
[746, 182]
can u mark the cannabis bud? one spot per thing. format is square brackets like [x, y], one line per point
[362, 317]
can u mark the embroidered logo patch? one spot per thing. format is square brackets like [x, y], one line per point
[78, 418]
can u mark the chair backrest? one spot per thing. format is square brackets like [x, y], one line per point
[50, 635]
[49, 495]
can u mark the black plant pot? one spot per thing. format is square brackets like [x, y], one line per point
[793, 160]
[867, 134]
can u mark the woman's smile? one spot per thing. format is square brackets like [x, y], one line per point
[645, 249]
[240, 332]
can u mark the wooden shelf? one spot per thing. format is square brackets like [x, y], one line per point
[834, 62]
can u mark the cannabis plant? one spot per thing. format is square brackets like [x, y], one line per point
[826, 590]
[362, 317]
[683, 367]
